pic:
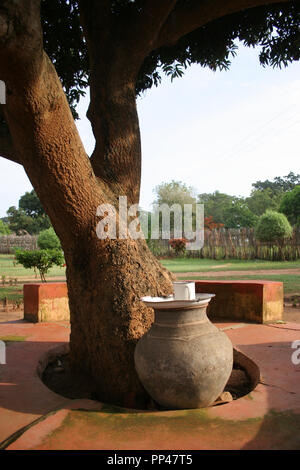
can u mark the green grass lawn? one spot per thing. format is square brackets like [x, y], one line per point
[8, 270]
[176, 265]
[16, 274]
[291, 282]
[12, 293]
[186, 265]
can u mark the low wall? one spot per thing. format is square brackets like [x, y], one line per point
[46, 302]
[249, 301]
[252, 301]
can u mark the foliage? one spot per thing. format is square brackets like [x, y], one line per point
[4, 228]
[30, 217]
[66, 47]
[216, 204]
[274, 27]
[171, 193]
[174, 192]
[178, 245]
[236, 212]
[48, 239]
[261, 200]
[210, 224]
[279, 185]
[42, 260]
[290, 206]
[31, 204]
[239, 215]
[273, 227]
[19, 222]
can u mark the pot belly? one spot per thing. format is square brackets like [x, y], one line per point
[181, 369]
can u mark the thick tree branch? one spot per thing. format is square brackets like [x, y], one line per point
[196, 13]
[7, 149]
[43, 129]
[114, 64]
[20, 19]
[147, 23]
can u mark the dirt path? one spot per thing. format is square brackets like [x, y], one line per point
[255, 272]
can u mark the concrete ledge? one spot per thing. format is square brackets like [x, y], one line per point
[46, 302]
[252, 301]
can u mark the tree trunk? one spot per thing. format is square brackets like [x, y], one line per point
[105, 282]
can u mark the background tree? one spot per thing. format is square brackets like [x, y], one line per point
[216, 204]
[30, 217]
[120, 48]
[31, 204]
[239, 215]
[290, 206]
[21, 223]
[279, 185]
[261, 200]
[174, 192]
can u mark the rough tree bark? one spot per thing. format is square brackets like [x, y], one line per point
[106, 278]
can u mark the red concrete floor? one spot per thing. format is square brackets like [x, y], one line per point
[34, 417]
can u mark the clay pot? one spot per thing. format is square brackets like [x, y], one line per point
[184, 361]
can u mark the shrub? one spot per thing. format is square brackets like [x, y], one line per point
[210, 224]
[48, 240]
[178, 244]
[273, 227]
[42, 260]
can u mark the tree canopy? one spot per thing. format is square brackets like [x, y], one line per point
[279, 185]
[273, 27]
[238, 211]
[174, 192]
[30, 217]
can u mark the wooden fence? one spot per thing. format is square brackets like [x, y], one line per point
[235, 244]
[7, 242]
[218, 244]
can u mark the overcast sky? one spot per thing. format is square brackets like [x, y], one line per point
[213, 131]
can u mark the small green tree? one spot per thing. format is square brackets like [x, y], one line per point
[48, 240]
[42, 260]
[290, 206]
[178, 245]
[273, 227]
